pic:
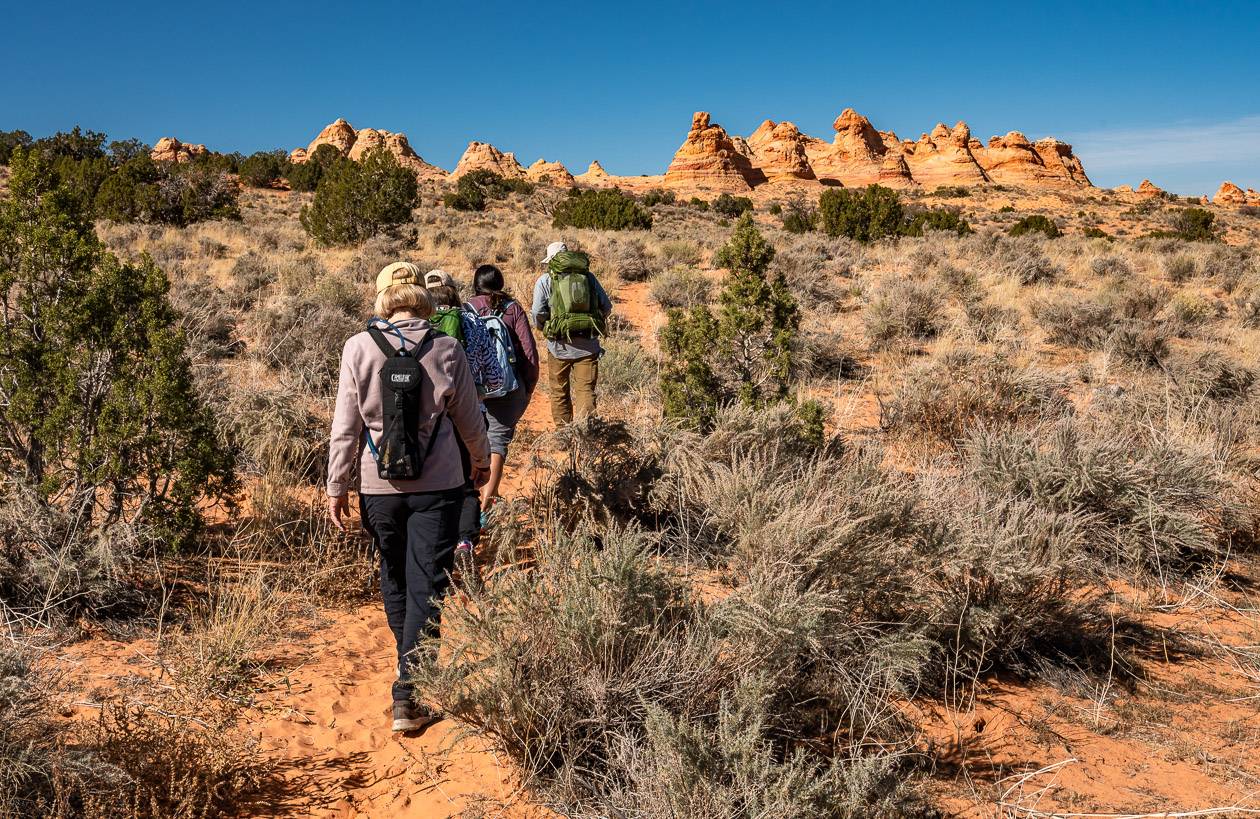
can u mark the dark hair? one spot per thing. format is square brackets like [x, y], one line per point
[444, 296]
[488, 281]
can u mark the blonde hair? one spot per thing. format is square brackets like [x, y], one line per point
[399, 297]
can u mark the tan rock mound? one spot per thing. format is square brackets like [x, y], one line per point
[1013, 159]
[550, 173]
[170, 149]
[1230, 195]
[355, 144]
[594, 175]
[1149, 190]
[778, 151]
[482, 156]
[708, 158]
[944, 157]
[856, 154]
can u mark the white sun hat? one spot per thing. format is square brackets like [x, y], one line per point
[553, 249]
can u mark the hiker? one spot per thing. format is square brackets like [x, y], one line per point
[450, 317]
[406, 406]
[570, 308]
[509, 329]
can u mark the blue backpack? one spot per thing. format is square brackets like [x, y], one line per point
[504, 351]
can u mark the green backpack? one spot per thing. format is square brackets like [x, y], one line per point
[573, 303]
[446, 319]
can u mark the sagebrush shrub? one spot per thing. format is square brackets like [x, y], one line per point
[681, 287]
[904, 309]
[1070, 320]
[947, 397]
[1151, 505]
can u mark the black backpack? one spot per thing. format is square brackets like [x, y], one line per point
[398, 454]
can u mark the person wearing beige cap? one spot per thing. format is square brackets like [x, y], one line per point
[406, 402]
[570, 308]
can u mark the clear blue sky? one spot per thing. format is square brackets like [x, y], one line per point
[618, 82]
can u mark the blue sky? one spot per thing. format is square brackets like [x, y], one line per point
[618, 82]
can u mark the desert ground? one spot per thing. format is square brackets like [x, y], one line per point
[1018, 578]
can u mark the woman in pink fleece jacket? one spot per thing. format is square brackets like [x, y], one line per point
[413, 523]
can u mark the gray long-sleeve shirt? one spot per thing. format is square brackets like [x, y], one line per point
[574, 348]
[448, 396]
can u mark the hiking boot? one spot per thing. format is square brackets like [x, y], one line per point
[468, 574]
[411, 717]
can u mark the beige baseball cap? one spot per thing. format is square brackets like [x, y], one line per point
[553, 249]
[438, 278]
[396, 273]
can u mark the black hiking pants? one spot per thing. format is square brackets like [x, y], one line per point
[415, 535]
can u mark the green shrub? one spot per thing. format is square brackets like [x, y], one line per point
[934, 219]
[952, 192]
[745, 353]
[263, 169]
[305, 176]
[698, 203]
[9, 140]
[478, 188]
[76, 144]
[1006, 209]
[1035, 223]
[867, 215]
[101, 415]
[601, 210]
[142, 190]
[732, 206]
[775, 208]
[1194, 225]
[358, 200]
[1095, 233]
[657, 197]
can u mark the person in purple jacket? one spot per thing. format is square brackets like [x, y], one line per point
[503, 414]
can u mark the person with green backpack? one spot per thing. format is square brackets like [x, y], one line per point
[570, 309]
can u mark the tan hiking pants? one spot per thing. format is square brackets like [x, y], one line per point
[577, 377]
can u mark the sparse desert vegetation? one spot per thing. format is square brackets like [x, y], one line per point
[889, 509]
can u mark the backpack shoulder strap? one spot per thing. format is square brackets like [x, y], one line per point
[379, 337]
[426, 341]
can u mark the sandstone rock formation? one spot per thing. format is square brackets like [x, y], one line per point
[1149, 190]
[944, 157]
[1012, 159]
[778, 151]
[355, 144]
[484, 156]
[340, 134]
[170, 149]
[709, 159]
[857, 153]
[551, 173]
[1230, 195]
[594, 175]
